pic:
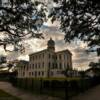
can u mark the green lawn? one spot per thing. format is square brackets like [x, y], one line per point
[6, 96]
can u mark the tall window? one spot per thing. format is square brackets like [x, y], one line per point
[39, 73]
[29, 73]
[56, 65]
[53, 66]
[36, 65]
[24, 67]
[68, 66]
[33, 66]
[32, 73]
[56, 57]
[43, 55]
[43, 64]
[39, 65]
[42, 73]
[35, 74]
[49, 56]
[51, 73]
[23, 73]
[36, 57]
[27, 67]
[49, 64]
[59, 56]
[64, 65]
[60, 66]
[30, 66]
[33, 57]
[52, 56]
[64, 56]
[39, 56]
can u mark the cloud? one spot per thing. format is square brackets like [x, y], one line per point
[80, 58]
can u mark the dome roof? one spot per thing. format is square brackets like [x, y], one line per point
[51, 42]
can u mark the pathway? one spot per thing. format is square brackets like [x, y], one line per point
[7, 87]
[91, 94]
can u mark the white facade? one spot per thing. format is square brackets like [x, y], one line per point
[47, 63]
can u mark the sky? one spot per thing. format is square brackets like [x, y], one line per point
[80, 58]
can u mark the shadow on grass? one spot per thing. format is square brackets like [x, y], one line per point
[6, 96]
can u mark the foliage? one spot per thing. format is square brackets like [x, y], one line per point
[9, 66]
[94, 65]
[2, 59]
[78, 19]
[82, 74]
[19, 20]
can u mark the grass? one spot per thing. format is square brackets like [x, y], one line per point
[7, 96]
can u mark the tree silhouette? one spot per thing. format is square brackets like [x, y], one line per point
[9, 66]
[94, 65]
[19, 20]
[2, 59]
[78, 19]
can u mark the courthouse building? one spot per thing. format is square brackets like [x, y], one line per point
[46, 63]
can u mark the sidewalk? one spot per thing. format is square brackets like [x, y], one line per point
[7, 87]
[92, 94]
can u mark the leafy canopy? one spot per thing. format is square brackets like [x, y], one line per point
[19, 20]
[78, 19]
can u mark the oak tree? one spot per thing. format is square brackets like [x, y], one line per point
[78, 19]
[19, 20]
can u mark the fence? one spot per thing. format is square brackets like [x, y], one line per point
[57, 87]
